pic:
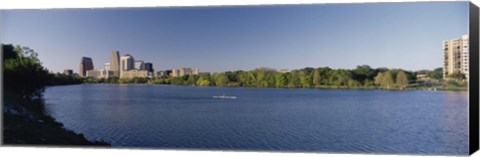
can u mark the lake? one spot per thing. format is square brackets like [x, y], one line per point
[312, 120]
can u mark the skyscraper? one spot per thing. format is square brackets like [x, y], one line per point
[149, 67]
[139, 65]
[456, 57]
[85, 64]
[126, 63]
[115, 64]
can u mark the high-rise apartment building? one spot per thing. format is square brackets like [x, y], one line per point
[86, 64]
[115, 64]
[456, 57]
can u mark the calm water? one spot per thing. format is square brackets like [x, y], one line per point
[352, 121]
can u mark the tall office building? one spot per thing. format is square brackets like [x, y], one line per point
[149, 67]
[139, 65]
[456, 57]
[115, 64]
[126, 63]
[85, 64]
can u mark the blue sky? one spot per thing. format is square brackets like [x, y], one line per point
[216, 39]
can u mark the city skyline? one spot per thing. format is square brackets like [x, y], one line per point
[126, 66]
[217, 39]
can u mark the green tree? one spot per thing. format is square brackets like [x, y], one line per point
[242, 78]
[270, 78]
[232, 76]
[353, 83]
[305, 79]
[177, 81]
[324, 75]
[280, 80]
[220, 79]
[402, 80]
[293, 80]
[260, 78]
[317, 79]
[62, 79]
[457, 75]
[437, 74]
[379, 79]
[9, 52]
[203, 82]
[363, 72]
[23, 73]
[388, 82]
[339, 77]
[368, 83]
[251, 80]
[192, 79]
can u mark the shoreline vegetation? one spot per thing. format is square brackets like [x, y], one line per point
[26, 122]
[362, 77]
[214, 80]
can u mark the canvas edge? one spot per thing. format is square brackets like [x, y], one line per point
[474, 79]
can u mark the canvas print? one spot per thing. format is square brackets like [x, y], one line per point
[375, 78]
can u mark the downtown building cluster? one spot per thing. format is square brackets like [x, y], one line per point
[126, 66]
[456, 57]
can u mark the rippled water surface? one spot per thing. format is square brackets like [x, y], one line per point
[351, 121]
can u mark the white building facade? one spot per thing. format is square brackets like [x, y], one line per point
[456, 56]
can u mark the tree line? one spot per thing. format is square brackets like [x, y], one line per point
[362, 77]
[324, 77]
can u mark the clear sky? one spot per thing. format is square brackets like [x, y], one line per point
[216, 39]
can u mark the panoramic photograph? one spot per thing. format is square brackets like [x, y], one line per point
[370, 78]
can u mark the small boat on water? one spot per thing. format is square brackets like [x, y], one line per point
[224, 97]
